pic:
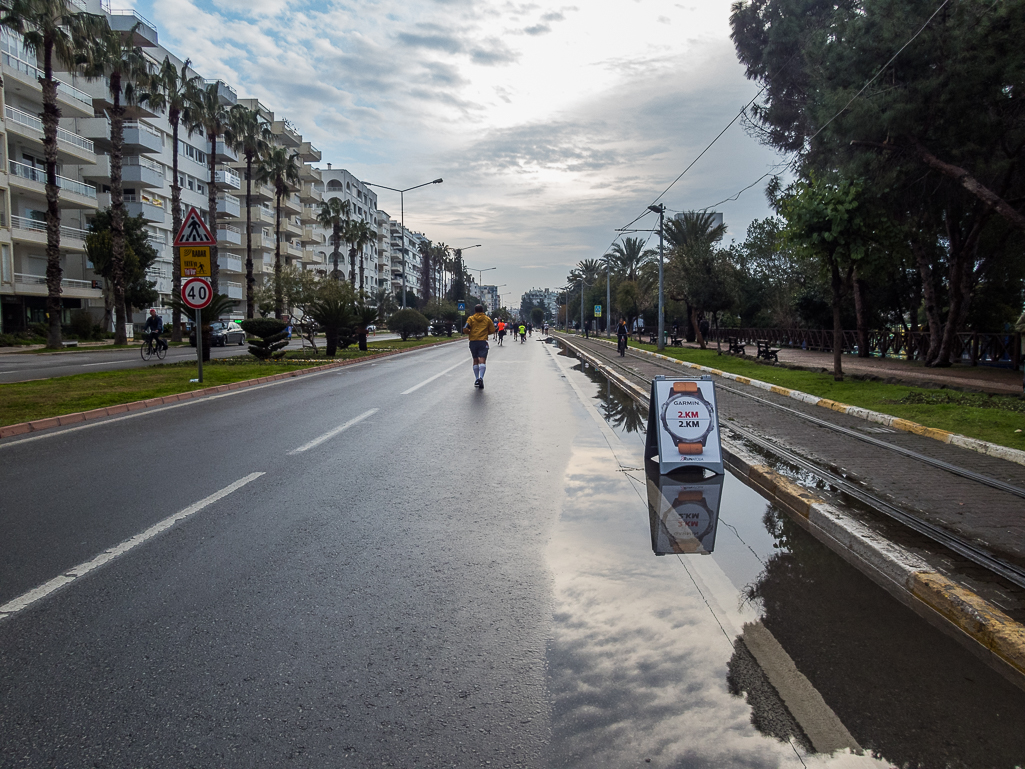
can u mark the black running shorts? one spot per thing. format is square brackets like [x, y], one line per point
[479, 349]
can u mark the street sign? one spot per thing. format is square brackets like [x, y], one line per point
[683, 424]
[194, 231]
[597, 311]
[196, 293]
[462, 306]
[195, 261]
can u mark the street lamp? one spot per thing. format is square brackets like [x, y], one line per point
[480, 274]
[661, 211]
[402, 214]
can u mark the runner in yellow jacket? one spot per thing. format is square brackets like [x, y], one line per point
[479, 327]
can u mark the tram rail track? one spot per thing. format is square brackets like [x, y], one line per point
[963, 547]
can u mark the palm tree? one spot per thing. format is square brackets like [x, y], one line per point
[629, 257]
[690, 236]
[384, 300]
[279, 169]
[172, 89]
[357, 234]
[252, 137]
[439, 257]
[334, 215]
[49, 27]
[211, 115]
[112, 55]
[426, 270]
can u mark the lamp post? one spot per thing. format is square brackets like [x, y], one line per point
[608, 296]
[661, 211]
[402, 214]
[458, 252]
[480, 274]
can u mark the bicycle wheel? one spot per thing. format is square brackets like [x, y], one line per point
[146, 351]
[161, 351]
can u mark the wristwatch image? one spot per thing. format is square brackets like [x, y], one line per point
[688, 417]
[693, 509]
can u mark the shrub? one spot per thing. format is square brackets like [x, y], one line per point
[408, 322]
[39, 329]
[81, 325]
[271, 336]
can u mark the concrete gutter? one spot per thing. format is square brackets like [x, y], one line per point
[972, 444]
[987, 631]
[36, 425]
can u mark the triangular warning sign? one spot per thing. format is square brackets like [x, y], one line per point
[194, 231]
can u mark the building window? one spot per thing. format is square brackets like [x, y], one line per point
[334, 184]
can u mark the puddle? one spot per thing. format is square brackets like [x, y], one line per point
[697, 625]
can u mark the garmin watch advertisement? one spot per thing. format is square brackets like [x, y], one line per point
[685, 418]
[684, 515]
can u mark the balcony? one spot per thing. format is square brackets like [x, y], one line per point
[136, 171]
[311, 193]
[150, 208]
[225, 93]
[35, 285]
[235, 290]
[139, 137]
[311, 235]
[127, 20]
[286, 133]
[225, 177]
[26, 230]
[311, 172]
[229, 262]
[229, 205]
[224, 152]
[71, 148]
[291, 205]
[74, 194]
[310, 213]
[309, 153]
[229, 235]
[294, 250]
[291, 226]
[23, 75]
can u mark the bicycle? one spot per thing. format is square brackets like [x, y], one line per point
[148, 350]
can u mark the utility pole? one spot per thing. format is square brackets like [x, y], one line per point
[661, 211]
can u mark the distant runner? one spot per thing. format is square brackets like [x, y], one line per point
[501, 332]
[479, 327]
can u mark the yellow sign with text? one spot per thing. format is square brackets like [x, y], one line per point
[195, 261]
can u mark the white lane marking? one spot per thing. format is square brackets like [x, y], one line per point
[428, 381]
[332, 433]
[36, 594]
[108, 363]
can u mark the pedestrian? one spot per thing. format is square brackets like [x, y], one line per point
[479, 327]
[587, 329]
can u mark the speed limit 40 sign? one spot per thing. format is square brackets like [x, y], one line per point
[196, 293]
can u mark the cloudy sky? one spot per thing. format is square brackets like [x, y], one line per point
[552, 124]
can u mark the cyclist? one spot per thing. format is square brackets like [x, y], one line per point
[479, 327]
[523, 333]
[501, 332]
[622, 337]
[154, 328]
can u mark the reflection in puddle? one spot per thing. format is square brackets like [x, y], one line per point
[769, 652]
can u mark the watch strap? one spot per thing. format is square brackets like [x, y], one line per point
[685, 387]
[690, 448]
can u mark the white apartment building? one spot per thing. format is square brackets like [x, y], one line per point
[337, 183]
[84, 147]
[545, 297]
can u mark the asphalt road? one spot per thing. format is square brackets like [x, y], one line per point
[21, 367]
[381, 566]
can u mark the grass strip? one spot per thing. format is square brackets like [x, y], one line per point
[999, 419]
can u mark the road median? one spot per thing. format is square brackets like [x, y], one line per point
[112, 393]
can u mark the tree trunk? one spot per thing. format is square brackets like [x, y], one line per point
[330, 341]
[250, 278]
[176, 217]
[697, 329]
[361, 276]
[279, 297]
[362, 337]
[955, 301]
[211, 201]
[929, 292]
[117, 210]
[54, 272]
[859, 312]
[352, 265]
[837, 285]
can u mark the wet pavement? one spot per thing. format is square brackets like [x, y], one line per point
[462, 578]
[673, 658]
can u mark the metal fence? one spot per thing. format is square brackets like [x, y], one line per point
[971, 348]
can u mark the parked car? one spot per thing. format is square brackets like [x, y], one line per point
[222, 333]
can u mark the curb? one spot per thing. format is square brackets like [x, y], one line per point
[905, 425]
[36, 425]
[909, 578]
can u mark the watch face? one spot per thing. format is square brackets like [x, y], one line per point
[688, 417]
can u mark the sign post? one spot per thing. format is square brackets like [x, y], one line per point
[462, 308]
[196, 293]
[193, 242]
[683, 425]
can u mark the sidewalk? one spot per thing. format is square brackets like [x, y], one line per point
[988, 379]
[989, 516]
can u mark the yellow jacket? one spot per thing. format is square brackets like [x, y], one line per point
[479, 326]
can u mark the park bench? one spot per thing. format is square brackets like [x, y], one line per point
[735, 345]
[766, 351]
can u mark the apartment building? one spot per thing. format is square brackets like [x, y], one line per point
[544, 297]
[337, 183]
[22, 192]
